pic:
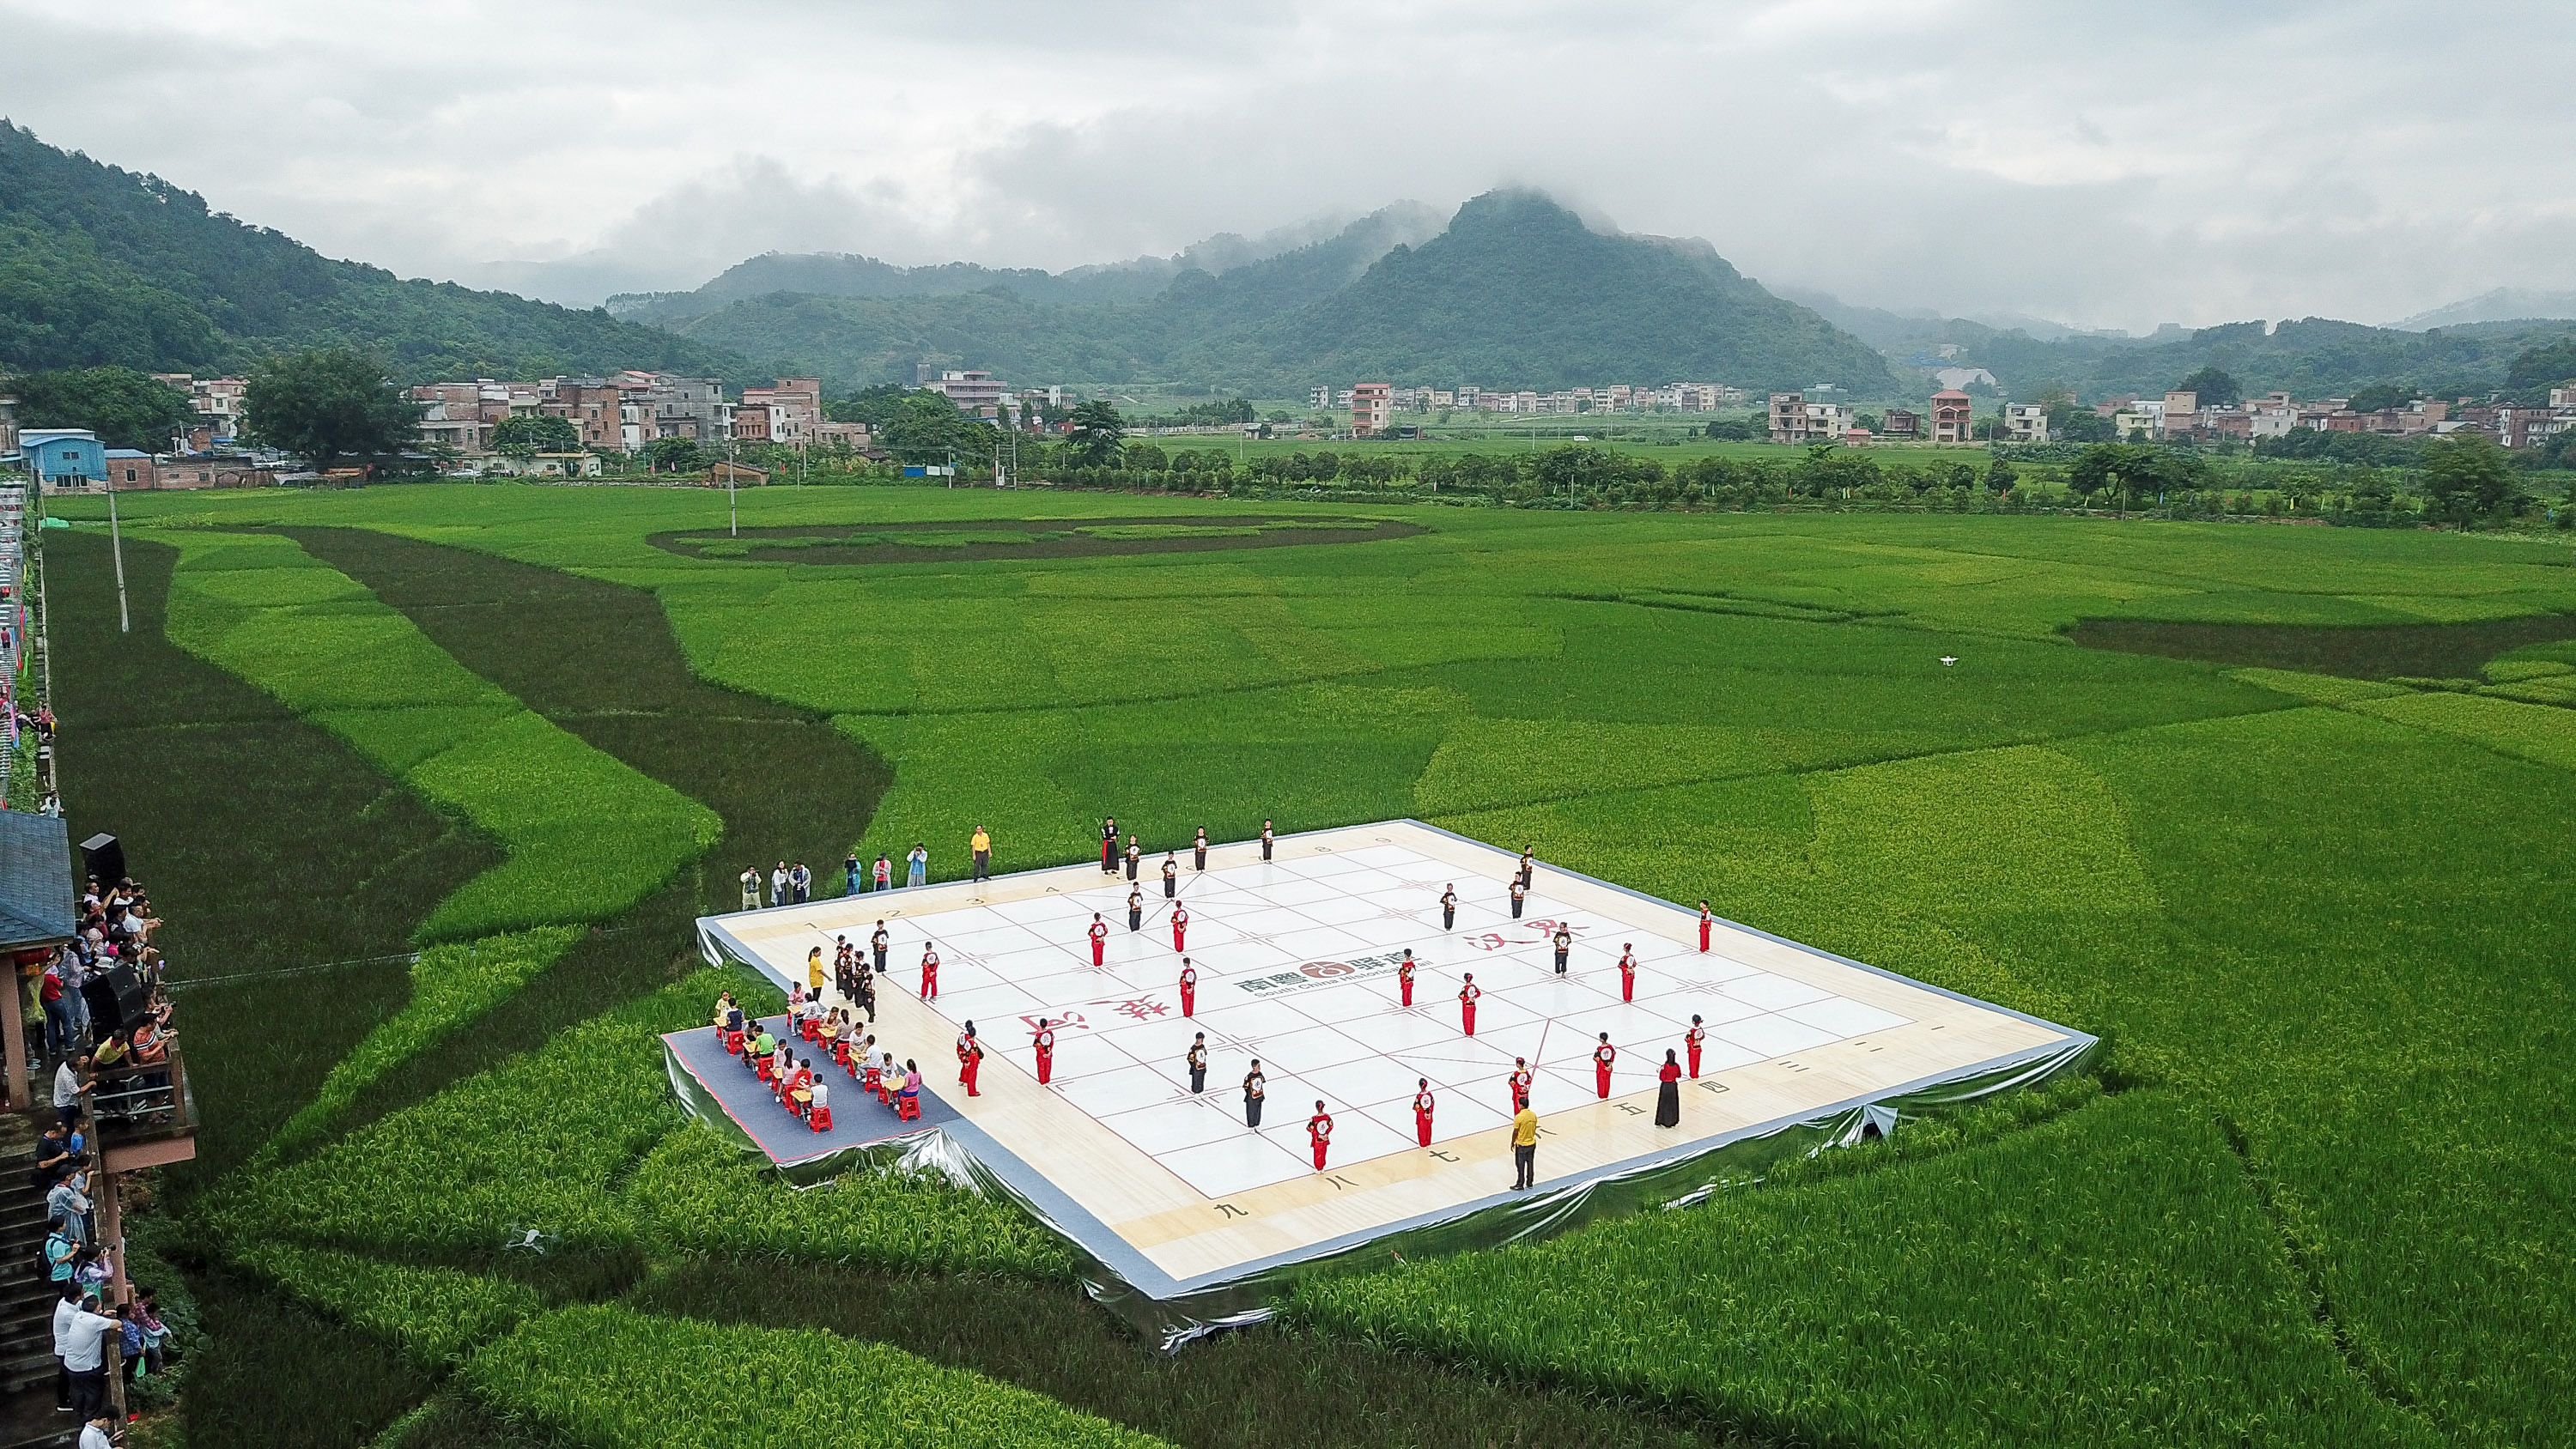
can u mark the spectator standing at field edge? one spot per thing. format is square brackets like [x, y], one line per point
[982, 847]
[918, 866]
[1524, 1148]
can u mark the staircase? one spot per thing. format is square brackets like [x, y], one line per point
[28, 1418]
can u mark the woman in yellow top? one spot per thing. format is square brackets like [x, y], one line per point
[814, 971]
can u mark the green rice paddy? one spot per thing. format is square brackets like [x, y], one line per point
[2319, 909]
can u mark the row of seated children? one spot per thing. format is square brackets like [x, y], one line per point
[799, 1090]
[827, 1027]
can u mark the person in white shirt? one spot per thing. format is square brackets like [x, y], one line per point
[99, 1433]
[84, 1342]
[64, 1311]
[67, 1090]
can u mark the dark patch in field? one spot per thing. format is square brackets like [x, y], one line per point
[2359, 651]
[270, 1374]
[454, 1421]
[600, 660]
[1253, 1388]
[693, 543]
[267, 842]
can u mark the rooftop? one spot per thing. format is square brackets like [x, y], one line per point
[35, 881]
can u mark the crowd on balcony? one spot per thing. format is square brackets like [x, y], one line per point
[108, 1040]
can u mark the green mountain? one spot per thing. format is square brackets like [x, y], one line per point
[1519, 291]
[103, 266]
[1516, 291]
[2312, 357]
[1336, 259]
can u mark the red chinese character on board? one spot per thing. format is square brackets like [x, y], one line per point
[1141, 1010]
[1486, 942]
[1070, 1021]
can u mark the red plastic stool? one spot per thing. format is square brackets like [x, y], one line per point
[907, 1109]
[820, 1119]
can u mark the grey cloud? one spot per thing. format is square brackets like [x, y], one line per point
[2196, 163]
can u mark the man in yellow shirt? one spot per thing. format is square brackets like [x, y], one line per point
[982, 845]
[1524, 1148]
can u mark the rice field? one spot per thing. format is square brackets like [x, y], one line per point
[2322, 921]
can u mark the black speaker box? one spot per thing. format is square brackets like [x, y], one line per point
[103, 858]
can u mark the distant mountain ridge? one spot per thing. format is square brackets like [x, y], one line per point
[842, 274]
[104, 266]
[1513, 291]
[2504, 304]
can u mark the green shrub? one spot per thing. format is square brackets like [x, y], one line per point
[698, 1193]
[610, 1378]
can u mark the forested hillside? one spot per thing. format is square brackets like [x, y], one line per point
[1516, 291]
[103, 266]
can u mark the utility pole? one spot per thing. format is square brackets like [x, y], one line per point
[116, 546]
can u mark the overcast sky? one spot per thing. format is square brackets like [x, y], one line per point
[2107, 166]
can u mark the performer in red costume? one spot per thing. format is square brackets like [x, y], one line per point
[1521, 1079]
[970, 1059]
[1627, 971]
[929, 972]
[1422, 1109]
[1046, 1052]
[1099, 934]
[1706, 920]
[1404, 977]
[1189, 988]
[1602, 1056]
[1695, 1038]
[1319, 1129]
[1180, 925]
[1467, 995]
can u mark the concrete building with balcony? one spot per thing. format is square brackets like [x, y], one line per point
[1372, 404]
[1953, 417]
[974, 392]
